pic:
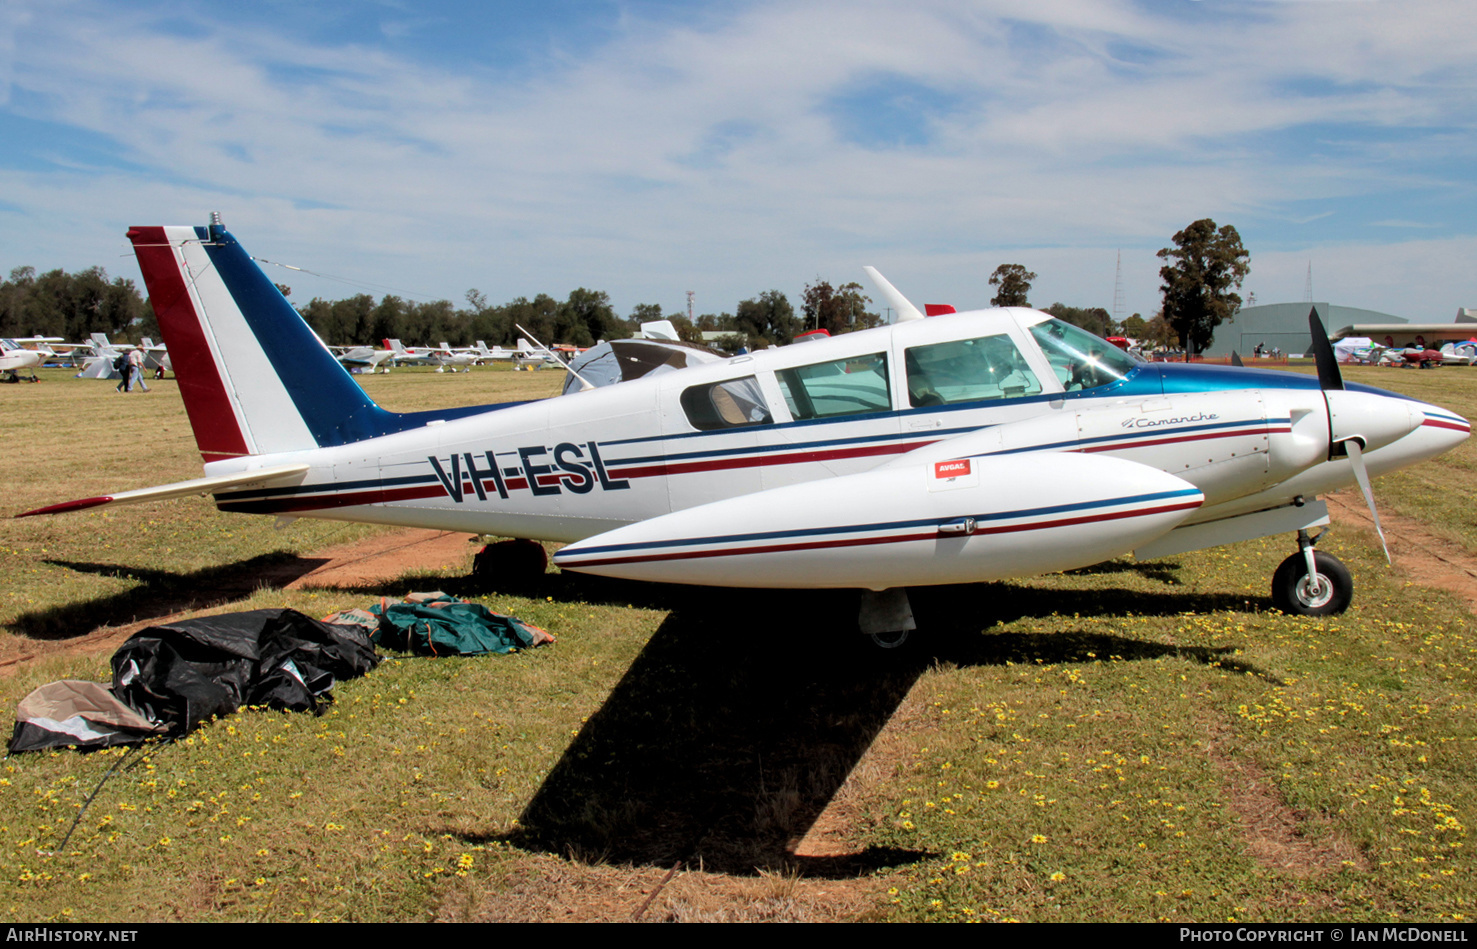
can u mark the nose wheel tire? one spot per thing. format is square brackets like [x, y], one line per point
[1326, 593]
[890, 640]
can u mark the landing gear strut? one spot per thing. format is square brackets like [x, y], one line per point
[886, 616]
[1310, 583]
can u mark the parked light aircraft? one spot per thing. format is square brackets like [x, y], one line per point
[363, 357]
[1458, 354]
[485, 355]
[965, 447]
[15, 357]
[425, 356]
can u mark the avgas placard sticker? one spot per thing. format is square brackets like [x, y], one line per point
[954, 473]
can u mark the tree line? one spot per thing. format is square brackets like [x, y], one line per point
[73, 306]
[1202, 273]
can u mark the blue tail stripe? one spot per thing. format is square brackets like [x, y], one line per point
[332, 405]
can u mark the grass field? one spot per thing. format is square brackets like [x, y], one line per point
[1129, 742]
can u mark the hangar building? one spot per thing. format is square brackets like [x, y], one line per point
[1284, 326]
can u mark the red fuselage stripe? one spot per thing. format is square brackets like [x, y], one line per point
[1151, 442]
[759, 461]
[330, 501]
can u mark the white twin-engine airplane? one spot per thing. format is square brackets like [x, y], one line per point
[960, 448]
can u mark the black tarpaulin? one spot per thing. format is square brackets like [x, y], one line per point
[73, 714]
[183, 673]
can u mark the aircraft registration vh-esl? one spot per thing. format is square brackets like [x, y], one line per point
[959, 448]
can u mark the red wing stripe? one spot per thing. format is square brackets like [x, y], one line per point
[81, 505]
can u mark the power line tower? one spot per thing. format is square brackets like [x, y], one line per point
[1118, 292]
[689, 306]
[1308, 287]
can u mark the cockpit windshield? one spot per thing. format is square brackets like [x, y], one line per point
[1080, 359]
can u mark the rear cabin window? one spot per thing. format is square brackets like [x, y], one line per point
[968, 370]
[845, 387]
[736, 403]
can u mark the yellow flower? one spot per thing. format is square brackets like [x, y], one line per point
[1058, 877]
[1038, 839]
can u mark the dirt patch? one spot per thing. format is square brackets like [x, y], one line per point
[386, 557]
[1427, 558]
[1276, 836]
[1303, 845]
[363, 563]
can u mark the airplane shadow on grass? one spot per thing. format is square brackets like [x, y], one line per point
[159, 593]
[739, 722]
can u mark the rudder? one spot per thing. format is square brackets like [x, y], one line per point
[254, 377]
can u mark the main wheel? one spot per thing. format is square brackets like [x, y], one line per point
[516, 560]
[1293, 591]
[890, 640]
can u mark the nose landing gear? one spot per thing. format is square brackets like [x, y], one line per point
[1310, 583]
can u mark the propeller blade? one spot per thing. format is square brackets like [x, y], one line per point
[1329, 376]
[1361, 474]
[1236, 359]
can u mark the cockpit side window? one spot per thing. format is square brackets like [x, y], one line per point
[1080, 359]
[844, 387]
[735, 403]
[968, 370]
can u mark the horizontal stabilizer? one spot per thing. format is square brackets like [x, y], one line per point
[179, 489]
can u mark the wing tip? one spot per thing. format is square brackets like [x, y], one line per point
[81, 504]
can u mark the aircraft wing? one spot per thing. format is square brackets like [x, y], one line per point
[178, 489]
[916, 521]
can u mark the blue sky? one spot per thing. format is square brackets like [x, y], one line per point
[651, 148]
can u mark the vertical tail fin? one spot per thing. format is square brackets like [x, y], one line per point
[254, 377]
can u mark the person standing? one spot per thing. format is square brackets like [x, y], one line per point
[136, 367]
[123, 365]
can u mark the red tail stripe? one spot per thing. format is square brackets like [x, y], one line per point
[209, 407]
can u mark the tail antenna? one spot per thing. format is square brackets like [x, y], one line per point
[584, 383]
